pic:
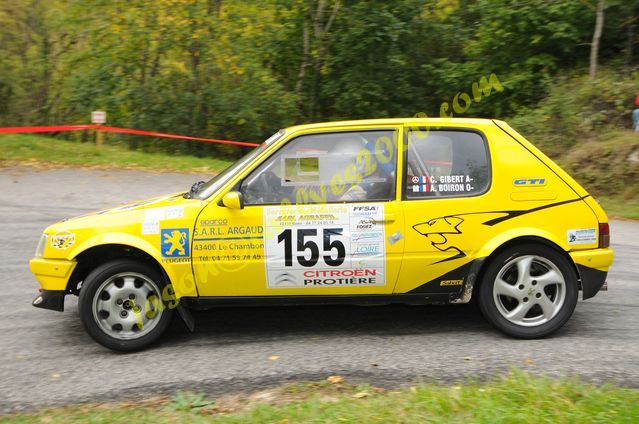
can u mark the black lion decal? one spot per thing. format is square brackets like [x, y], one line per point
[437, 230]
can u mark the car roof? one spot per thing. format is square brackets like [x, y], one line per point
[394, 121]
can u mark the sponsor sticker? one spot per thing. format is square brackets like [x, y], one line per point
[151, 226]
[174, 212]
[367, 237]
[168, 212]
[582, 236]
[451, 282]
[63, 240]
[154, 214]
[175, 242]
[324, 245]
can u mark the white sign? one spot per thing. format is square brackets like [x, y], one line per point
[174, 212]
[151, 226]
[98, 117]
[154, 214]
[324, 246]
[582, 236]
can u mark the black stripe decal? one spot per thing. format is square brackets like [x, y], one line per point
[514, 214]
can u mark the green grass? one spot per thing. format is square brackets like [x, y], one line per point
[517, 397]
[619, 207]
[45, 151]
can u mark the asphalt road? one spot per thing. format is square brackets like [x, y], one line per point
[47, 359]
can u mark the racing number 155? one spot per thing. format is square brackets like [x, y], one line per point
[329, 245]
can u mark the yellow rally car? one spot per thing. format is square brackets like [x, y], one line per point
[415, 210]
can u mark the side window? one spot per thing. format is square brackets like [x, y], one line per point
[327, 168]
[445, 164]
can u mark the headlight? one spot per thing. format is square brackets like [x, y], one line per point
[41, 244]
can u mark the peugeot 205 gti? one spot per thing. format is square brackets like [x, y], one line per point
[416, 211]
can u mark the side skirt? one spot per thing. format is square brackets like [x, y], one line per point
[466, 275]
[408, 298]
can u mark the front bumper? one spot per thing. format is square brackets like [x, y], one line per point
[52, 274]
[592, 266]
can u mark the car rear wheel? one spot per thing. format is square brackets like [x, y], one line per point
[528, 291]
[121, 305]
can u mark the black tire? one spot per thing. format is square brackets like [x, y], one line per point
[493, 304]
[109, 274]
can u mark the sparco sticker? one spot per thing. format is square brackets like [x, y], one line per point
[582, 236]
[324, 245]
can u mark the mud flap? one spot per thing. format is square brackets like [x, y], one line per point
[50, 299]
[187, 317]
[592, 280]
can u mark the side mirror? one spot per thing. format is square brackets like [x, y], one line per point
[233, 200]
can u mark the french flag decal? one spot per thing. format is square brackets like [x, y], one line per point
[423, 187]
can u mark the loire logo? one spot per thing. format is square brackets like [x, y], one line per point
[175, 242]
[529, 182]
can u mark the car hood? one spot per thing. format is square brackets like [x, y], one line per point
[127, 214]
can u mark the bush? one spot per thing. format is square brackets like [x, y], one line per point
[577, 109]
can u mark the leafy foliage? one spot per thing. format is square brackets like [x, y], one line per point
[240, 70]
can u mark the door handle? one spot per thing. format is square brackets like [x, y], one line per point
[388, 218]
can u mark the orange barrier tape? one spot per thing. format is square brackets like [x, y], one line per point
[60, 128]
[14, 130]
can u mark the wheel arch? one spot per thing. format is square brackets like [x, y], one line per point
[534, 239]
[97, 255]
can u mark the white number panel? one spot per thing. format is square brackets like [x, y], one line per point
[324, 245]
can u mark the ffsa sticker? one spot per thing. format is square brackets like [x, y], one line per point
[582, 236]
[324, 245]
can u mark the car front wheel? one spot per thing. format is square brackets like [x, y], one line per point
[528, 291]
[121, 305]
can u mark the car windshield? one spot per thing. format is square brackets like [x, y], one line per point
[212, 185]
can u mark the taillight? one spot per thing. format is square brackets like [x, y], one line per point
[604, 234]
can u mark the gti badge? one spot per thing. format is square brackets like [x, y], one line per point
[529, 182]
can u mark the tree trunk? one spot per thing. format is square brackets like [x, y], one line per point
[306, 45]
[314, 42]
[594, 47]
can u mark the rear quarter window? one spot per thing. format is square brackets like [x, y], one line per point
[451, 163]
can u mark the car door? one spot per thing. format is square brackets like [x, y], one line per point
[319, 216]
[445, 189]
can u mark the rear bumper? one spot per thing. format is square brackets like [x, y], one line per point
[592, 266]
